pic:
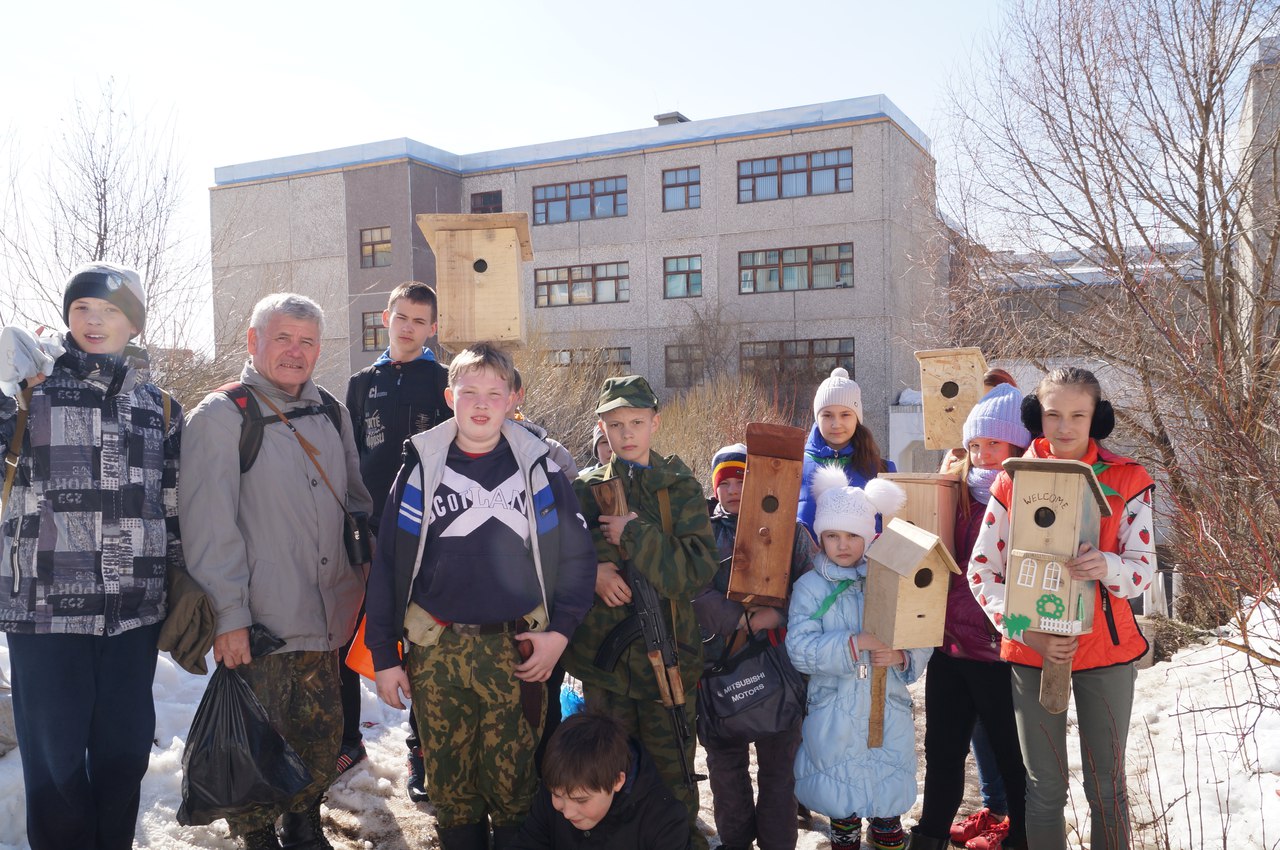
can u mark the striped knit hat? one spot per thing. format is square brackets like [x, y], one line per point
[728, 463]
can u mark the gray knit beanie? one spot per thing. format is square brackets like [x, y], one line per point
[110, 282]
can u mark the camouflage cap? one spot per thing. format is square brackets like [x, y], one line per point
[627, 391]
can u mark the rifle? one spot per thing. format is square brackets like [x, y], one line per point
[660, 646]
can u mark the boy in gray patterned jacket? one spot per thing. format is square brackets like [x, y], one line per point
[87, 534]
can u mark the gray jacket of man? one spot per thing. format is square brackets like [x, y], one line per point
[267, 545]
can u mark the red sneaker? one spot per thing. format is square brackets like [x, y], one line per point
[992, 839]
[974, 825]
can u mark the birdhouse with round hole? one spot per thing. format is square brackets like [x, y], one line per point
[763, 546]
[950, 385]
[1056, 505]
[908, 575]
[478, 264]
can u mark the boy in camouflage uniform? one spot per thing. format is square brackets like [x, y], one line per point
[678, 561]
[485, 551]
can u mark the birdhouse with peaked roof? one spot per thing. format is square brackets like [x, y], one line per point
[908, 576]
[950, 385]
[1056, 505]
[478, 265]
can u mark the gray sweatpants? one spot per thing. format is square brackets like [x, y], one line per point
[1104, 700]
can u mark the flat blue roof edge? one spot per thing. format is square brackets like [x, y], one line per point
[609, 144]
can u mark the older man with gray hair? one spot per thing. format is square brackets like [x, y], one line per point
[269, 465]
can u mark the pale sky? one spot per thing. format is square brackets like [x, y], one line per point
[243, 81]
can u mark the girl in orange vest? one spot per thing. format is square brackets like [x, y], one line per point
[1068, 409]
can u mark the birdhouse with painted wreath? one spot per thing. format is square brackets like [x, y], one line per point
[1056, 506]
[931, 502]
[950, 385]
[478, 273]
[908, 576]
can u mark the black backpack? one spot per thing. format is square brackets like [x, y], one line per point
[253, 420]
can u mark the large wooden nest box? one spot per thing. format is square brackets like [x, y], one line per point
[478, 263]
[763, 547]
[1056, 506]
[931, 502]
[908, 578]
[950, 385]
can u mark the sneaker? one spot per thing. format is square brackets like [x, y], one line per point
[973, 826]
[992, 839]
[350, 755]
[417, 781]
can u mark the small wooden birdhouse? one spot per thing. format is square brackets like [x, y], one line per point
[478, 276]
[931, 502]
[908, 576]
[762, 550]
[1056, 506]
[950, 384]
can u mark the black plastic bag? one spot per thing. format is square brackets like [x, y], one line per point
[234, 758]
[750, 695]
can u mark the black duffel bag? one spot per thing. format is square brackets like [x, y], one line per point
[752, 694]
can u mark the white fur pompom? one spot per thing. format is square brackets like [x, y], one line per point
[827, 478]
[887, 497]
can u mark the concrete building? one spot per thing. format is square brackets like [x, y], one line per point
[787, 241]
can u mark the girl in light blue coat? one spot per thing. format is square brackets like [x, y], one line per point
[836, 773]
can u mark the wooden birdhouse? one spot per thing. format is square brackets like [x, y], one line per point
[478, 263]
[950, 384]
[1056, 506]
[931, 502]
[762, 550]
[908, 576]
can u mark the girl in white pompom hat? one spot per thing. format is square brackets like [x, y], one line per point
[836, 773]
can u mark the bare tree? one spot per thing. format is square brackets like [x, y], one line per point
[109, 188]
[1115, 192]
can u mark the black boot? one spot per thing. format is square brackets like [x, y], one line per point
[504, 836]
[304, 830]
[917, 841]
[469, 836]
[260, 839]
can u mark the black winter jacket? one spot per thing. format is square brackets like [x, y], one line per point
[645, 815]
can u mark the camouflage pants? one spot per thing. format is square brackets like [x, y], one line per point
[477, 746]
[299, 690]
[650, 723]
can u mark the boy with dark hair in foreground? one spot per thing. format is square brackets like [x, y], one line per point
[601, 789]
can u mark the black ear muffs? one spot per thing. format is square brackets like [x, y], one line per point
[1032, 415]
[1104, 421]
[1100, 427]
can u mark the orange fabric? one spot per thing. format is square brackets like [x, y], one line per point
[358, 657]
[1097, 648]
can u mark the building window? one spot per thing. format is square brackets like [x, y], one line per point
[375, 335]
[791, 269]
[685, 365]
[682, 189]
[796, 358]
[375, 247]
[795, 176]
[600, 283]
[486, 202]
[617, 359]
[683, 277]
[1052, 576]
[1027, 573]
[603, 198]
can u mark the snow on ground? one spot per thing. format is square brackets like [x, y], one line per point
[1200, 756]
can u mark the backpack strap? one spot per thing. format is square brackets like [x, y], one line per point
[253, 421]
[15, 445]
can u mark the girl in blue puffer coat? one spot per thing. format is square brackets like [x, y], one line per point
[836, 773]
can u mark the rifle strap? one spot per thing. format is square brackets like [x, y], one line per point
[668, 528]
[15, 444]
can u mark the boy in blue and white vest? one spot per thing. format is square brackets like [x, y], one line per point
[485, 568]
